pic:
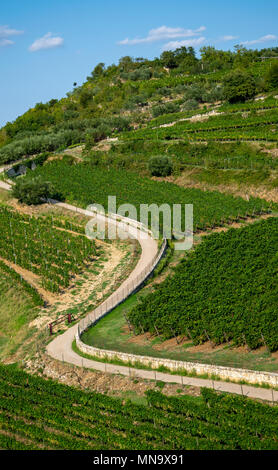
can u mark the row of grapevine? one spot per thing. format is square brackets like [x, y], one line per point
[36, 297]
[270, 104]
[227, 290]
[262, 122]
[32, 243]
[83, 185]
[45, 414]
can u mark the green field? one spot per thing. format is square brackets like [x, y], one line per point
[83, 184]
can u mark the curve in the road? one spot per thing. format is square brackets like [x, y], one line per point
[61, 347]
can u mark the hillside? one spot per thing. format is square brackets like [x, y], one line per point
[179, 129]
[214, 117]
[122, 97]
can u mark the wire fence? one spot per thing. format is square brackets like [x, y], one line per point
[248, 390]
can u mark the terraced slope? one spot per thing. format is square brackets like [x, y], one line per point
[85, 185]
[39, 414]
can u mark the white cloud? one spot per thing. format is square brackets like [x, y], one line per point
[6, 42]
[267, 38]
[162, 33]
[5, 33]
[228, 38]
[193, 42]
[48, 41]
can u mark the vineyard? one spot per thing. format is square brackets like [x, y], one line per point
[37, 299]
[254, 126]
[269, 103]
[151, 132]
[38, 246]
[85, 185]
[225, 291]
[40, 414]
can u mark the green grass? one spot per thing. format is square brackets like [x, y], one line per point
[17, 310]
[130, 395]
[5, 195]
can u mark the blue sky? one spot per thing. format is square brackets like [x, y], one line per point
[45, 46]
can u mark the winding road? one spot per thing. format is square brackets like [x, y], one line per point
[61, 347]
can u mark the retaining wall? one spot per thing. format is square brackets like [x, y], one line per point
[224, 373]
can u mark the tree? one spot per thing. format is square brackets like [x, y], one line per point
[272, 77]
[98, 71]
[160, 166]
[165, 109]
[195, 92]
[239, 86]
[126, 63]
[213, 59]
[85, 96]
[33, 191]
[168, 59]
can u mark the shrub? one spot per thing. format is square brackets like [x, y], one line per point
[215, 93]
[160, 166]
[97, 134]
[189, 105]
[85, 97]
[136, 100]
[195, 92]
[272, 77]
[33, 191]
[165, 109]
[164, 91]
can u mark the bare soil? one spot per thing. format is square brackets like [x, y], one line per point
[115, 385]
